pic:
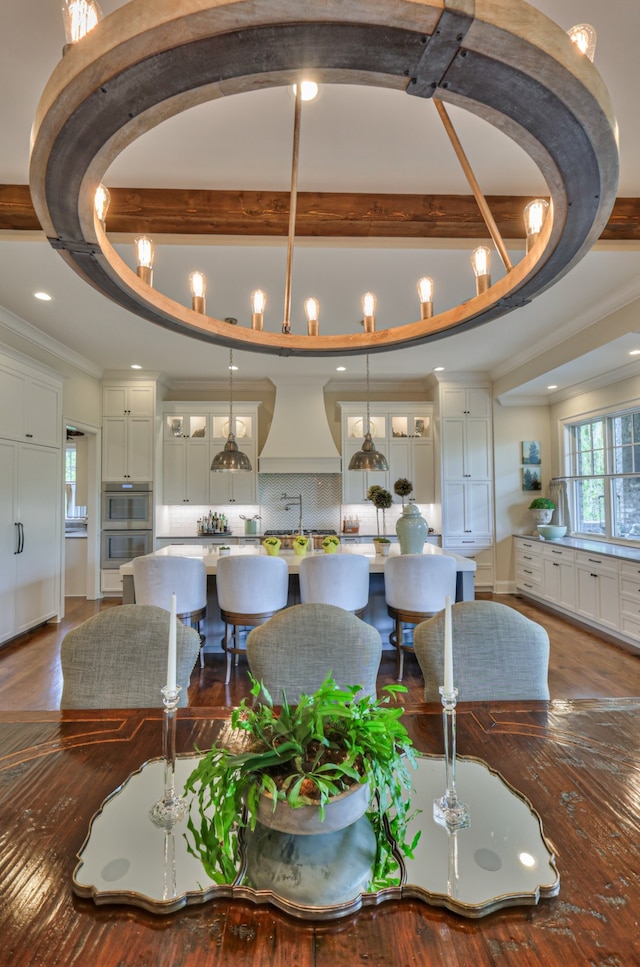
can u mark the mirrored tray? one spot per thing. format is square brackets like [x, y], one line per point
[502, 859]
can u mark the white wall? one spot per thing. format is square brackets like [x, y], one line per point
[512, 425]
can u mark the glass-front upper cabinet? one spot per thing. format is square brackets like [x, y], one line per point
[357, 426]
[185, 426]
[243, 426]
[411, 426]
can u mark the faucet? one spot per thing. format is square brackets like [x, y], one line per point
[294, 500]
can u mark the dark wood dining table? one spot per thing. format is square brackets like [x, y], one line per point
[578, 762]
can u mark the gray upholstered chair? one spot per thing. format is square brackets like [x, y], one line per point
[250, 590]
[498, 653]
[340, 579]
[156, 578]
[118, 658]
[416, 586]
[297, 648]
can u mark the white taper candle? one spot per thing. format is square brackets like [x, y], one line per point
[448, 648]
[172, 657]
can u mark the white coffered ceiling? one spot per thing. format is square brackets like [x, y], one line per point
[353, 139]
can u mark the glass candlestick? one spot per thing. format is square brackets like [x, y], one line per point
[171, 808]
[449, 811]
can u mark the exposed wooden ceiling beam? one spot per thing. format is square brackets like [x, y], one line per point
[164, 211]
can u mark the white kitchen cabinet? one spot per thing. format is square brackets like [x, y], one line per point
[31, 544]
[559, 577]
[30, 405]
[471, 401]
[355, 483]
[127, 448]
[403, 432]
[233, 488]
[598, 589]
[528, 560]
[193, 432]
[128, 431]
[129, 399]
[185, 472]
[630, 598]
[467, 478]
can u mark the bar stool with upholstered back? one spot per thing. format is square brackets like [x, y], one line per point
[416, 587]
[156, 578]
[339, 579]
[250, 589]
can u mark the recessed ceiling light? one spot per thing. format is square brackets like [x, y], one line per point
[341, 369]
[135, 366]
[234, 368]
[635, 352]
[43, 296]
[553, 386]
[438, 369]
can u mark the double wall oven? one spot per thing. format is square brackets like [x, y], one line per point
[127, 522]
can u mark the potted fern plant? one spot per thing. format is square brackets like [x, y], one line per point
[312, 756]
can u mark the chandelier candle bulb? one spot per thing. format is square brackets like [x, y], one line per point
[584, 37]
[102, 202]
[425, 294]
[198, 286]
[481, 262]
[369, 310]
[312, 311]
[448, 648]
[258, 303]
[535, 214]
[145, 252]
[172, 657]
[79, 16]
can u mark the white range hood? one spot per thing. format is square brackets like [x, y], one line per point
[299, 440]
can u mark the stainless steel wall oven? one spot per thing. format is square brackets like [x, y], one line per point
[127, 522]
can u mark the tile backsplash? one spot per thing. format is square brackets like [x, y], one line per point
[321, 500]
[322, 508]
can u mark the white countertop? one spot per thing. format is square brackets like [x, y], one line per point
[210, 554]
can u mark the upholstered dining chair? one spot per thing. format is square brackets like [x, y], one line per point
[416, 587]
[250, 590]
[498, 653]
[118, 658]
[156, 578]
[340, 579]
[295, 651]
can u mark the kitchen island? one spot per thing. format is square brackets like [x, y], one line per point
[376, 613]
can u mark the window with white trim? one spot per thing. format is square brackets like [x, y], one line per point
[605, 471]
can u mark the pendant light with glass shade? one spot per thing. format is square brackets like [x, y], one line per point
[230, 458]
[367, 457]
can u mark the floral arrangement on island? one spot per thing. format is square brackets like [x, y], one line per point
[300, 544]
[331, 543]
[272, 545]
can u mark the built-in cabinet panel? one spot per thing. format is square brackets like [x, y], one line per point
[598, 589]
[404, 433]
[467, 477]
[128, 431]
[30, 497]
[185, 472]
[31, 545]
[30, 406]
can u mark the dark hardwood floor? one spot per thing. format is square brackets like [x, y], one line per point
[582, 665]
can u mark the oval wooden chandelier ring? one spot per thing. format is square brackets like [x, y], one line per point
[499, 59]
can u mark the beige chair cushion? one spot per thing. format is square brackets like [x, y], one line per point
[118, 658]
[498, 653]
[297, 648]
